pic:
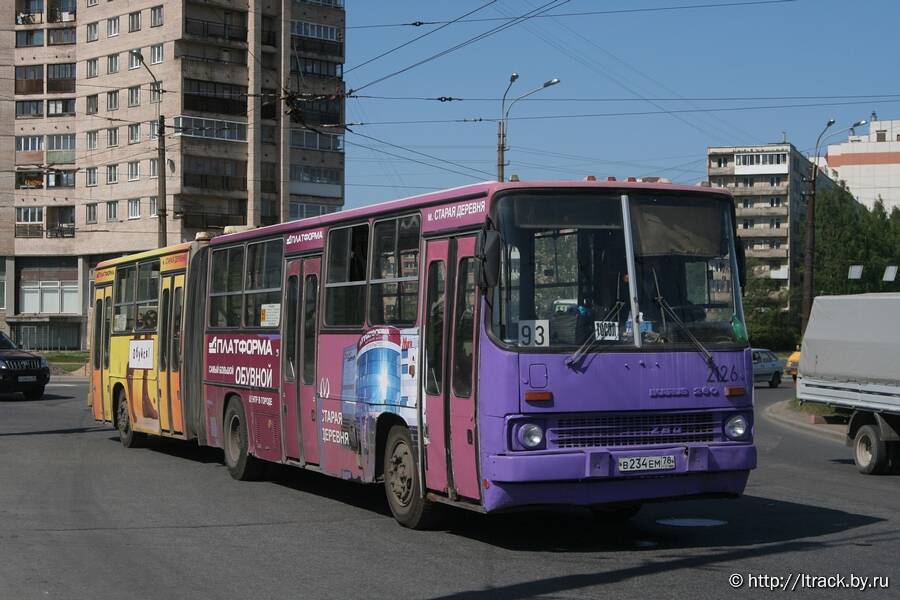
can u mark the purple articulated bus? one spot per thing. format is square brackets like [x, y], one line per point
[493, 346]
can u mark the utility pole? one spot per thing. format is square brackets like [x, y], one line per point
[809, 263]
[161, 182]
[501, 147]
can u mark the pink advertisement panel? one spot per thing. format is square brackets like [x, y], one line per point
[244, 359]
[455, 214]
[301, 241]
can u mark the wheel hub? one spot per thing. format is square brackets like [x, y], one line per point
[400, 474]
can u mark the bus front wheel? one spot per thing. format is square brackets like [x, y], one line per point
[240, 463]
[401, 483]
[127, 435]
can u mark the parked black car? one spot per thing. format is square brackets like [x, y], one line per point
[21, 371]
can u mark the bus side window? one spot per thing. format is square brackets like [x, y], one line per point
[310, 300]
[226, 291]
[464, 329]
[98, 329]
[175, 361]
[434, 328]
[164, 331]
[107, 322]
[345, 286]
[394, 279]
[290, 328]
[263, 284]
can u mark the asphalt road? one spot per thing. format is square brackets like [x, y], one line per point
[82, 517]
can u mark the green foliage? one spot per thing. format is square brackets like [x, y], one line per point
[769, 323]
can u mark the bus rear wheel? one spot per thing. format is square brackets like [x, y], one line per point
[401, 483]
[241, 465]
[127, 435]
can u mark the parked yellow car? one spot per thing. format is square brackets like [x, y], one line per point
[793, 362]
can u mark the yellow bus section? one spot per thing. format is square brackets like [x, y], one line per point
[136, 336]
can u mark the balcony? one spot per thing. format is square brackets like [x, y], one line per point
[36, 230]
[55, 157]
[33, 157]
[29, 180]
[269, 38]
[27, 18]
[61, 230]
[212, 104]
[56, 15]
[762, 211]
[767, 253]
[211, 221]
[29, 230]
[60, 86]
[211, 29]
[30, 86]
[306, 44]
[227, 183]
[729, 170]
[760, 232]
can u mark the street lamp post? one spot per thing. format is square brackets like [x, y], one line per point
[504, 117]
[810, 245]
[161, 212]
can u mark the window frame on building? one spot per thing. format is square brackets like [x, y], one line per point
[112, 211]
[90, 176]
[90, 213]
[134, 208]
[112, 174]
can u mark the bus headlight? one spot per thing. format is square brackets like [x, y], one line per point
[736, 427]
[531, 436]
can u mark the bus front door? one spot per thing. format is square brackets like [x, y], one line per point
[171, 309]
[449, 321]
[100, 394]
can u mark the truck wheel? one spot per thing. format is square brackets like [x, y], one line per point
[401, 483]
[870, 451]
[241, 465]
[775, 381]
[127, 435]
[35, 393]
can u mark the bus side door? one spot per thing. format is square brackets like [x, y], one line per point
[307, 371]
[449, 322]
[171, 309]
[290, 323]
[100, 393]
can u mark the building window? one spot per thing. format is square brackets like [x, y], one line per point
[311, 140]
[61, 142]
[152, 126]
[156, 54]
[112, 27]
[61, 108]
[775, 223]
[315, 30]
[156, 16]
[134, 170]
[134, 21]
[153, 167]
[747, 224]
[90, 176]
[29, 214]
[211, 128]
[134, 208]
[29, 180]
[29, 143]
[881, 135]
[90, 211]
[153, 207]
[61, 37]
[775, 202]
[112, 211]
[112, 63]
[134, 60]
[91, 140]
[29, 109]
[306, 174]
[134, 95]
[112, 174]
[64, 179]
[92, 67]
[211, 96]
[112, 137]
[155, 92]
[93, 32]
[316, 67]
[91, 104]
[112, 100]
[29, 38]
[134, 133]
[92, 2]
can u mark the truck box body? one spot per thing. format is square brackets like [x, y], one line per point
[851, 352]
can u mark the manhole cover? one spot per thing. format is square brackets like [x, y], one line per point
[692, 522]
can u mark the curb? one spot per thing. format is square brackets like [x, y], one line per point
[68, 379]
[771, 413]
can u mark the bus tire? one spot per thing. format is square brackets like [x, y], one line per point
[127, 435]
[619, 513]
[241, 465]
[869, 451]
[401, 482]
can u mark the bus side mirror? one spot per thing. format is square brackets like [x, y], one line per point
[741, 262]
[487, 253]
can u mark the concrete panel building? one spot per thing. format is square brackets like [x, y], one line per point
[90, 80]
[768, 182]
[870, 164]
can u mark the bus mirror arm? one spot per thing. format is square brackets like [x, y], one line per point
[487, 252]
[741, 262]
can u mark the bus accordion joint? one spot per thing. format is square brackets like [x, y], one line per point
[538, 396]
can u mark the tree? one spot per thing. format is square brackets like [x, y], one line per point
[769, 323]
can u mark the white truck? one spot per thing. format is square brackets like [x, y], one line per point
[851, 362]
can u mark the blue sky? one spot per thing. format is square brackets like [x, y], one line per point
[812, 48]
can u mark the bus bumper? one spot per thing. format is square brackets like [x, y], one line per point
[592, 477]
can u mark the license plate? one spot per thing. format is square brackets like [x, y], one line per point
[27, 378]
[646, 463]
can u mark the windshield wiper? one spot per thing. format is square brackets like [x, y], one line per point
[665, 307]
[592, 340]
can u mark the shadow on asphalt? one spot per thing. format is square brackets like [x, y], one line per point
[23, 400]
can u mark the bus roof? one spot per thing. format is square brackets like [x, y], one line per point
[487, 188]
[182, 247]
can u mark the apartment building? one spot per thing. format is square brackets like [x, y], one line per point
[869, 164]
[768, 182]
[91, 79]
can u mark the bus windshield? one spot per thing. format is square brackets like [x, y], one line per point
[565, 277]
